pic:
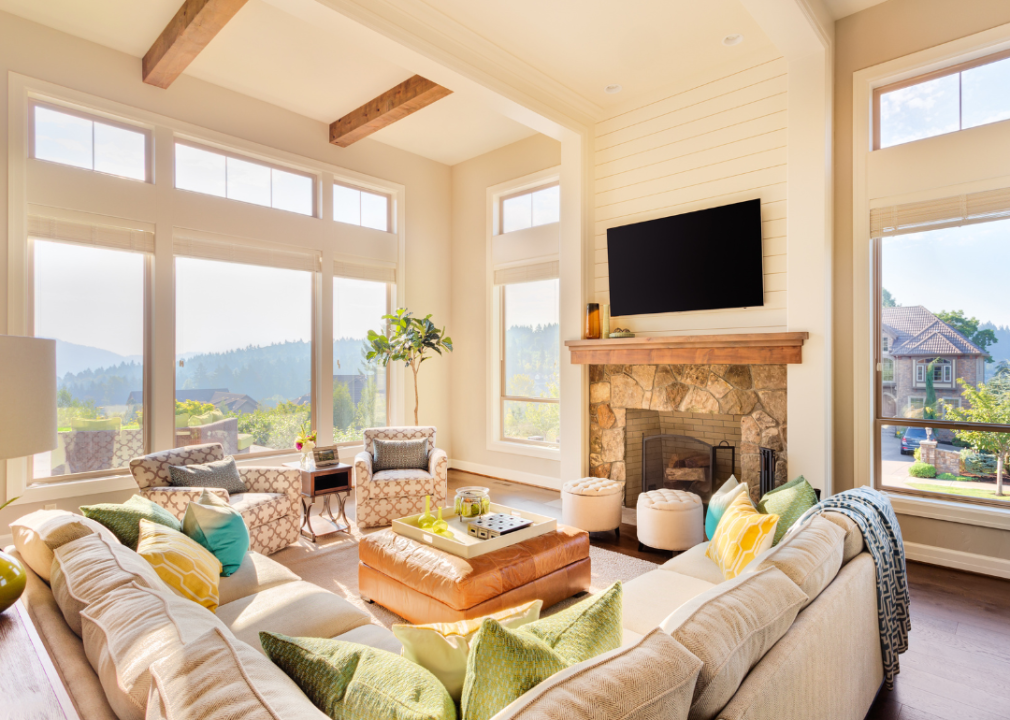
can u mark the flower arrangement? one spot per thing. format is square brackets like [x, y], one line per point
[306, 438]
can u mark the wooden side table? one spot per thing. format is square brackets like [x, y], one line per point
[325, 482]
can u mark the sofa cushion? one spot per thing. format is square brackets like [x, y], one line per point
[853, 535]
[129, 629]
[348, 681]
[650, 679]
[695, 563]
[789, 502]
[810, 556]
[743, 534]
[188, 568]
[260, 508]
[400, 483]
[214, 677]
[124, 520]
[86, 570]
[256, 574]
[37, 535]
[650, 598]
[374, 636]
[298, 609]
[218, 527]
[218, 474]
[730, 628]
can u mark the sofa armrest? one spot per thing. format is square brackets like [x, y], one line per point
[272, 480]
[176, 499]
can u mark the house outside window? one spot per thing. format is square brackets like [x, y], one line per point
[887, 370]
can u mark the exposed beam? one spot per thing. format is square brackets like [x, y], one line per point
[193, 27]
[406, 98]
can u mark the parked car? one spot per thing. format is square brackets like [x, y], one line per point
[911, 439]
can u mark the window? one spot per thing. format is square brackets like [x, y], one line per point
[360, 390]
[360, 207]
[91, 300]
[530, 209]
[957, 98]
[885, 343]
[80, 140]
[530, 365]
[887, 370]
[213, 172]
[243, 374]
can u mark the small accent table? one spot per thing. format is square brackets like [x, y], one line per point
[325, 482]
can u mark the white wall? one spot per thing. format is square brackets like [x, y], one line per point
[40, 52]
[716, 140]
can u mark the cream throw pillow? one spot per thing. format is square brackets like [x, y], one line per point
[730, 628]
[442, 648]
[217, 677]
[810, 556]
[39, 534]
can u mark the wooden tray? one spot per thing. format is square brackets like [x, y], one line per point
[463, 544]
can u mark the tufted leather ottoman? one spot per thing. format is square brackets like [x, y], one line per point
[670, 519]
[593, 504]
[425, 585]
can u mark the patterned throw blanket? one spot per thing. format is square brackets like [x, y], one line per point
[872, 512]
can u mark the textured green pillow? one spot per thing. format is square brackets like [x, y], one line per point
[348, 681]
[587, 629]
[503, 665]
[124, 520]
[113, 423]
[218, 527]
[789, 502]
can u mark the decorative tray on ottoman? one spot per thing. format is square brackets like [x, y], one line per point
[467, 546]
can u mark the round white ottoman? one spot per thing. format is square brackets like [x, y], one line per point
[593, 504]
[670, 520]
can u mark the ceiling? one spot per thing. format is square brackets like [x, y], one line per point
[844, 8]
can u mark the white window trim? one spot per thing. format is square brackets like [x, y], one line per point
[863, 83]
[146, 203]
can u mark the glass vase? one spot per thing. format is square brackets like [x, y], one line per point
[427, 519]
[440, 526]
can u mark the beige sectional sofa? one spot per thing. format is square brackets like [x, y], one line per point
[818, 658]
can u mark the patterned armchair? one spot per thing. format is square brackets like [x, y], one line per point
[270, 508]
[383, 496]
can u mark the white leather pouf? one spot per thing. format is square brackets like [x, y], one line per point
[593, 504]
[670, 519]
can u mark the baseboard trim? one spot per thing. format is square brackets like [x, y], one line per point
[500, 473]
[958, 560]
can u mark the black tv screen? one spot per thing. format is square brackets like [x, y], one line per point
[704, 260]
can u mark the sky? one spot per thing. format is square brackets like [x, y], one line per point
[534, 303]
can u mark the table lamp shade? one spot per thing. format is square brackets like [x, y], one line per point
[27, 396]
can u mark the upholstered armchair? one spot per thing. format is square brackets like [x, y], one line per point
[269, 508]
[383, 496]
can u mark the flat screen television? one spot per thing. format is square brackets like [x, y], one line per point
[705, 260]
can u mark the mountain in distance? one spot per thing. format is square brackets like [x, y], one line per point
[1001, 350]
[73, 358]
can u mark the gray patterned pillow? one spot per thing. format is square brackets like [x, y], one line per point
[220, 474]
[400, 454]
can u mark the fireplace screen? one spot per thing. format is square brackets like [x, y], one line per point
[678, 462]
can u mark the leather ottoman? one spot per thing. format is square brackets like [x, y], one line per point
[425, 585]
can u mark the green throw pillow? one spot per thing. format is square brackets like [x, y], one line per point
[113, 423]
[789, 502]
[348, 681]
[588, 628]
[207, 418]
[182, 420]
[124, 520]
[218, 527]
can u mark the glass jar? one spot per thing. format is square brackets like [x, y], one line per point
[471, 502]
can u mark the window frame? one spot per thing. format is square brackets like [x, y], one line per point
[389, 205]
[926, 77]
[93, 116]
[500, 229]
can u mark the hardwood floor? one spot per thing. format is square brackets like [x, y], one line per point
[958, 662]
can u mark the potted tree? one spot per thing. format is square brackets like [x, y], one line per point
[409, 339]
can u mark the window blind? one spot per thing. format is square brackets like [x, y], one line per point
[941, 213]
[359, 271]
[527, 273]
[236, 251]
[118, 238]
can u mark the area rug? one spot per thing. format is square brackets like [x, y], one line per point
[332, 564]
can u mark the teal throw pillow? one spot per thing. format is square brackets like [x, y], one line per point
[789, 502]
[348, 681]
[124, 520]
[218, 527]
[718, 503]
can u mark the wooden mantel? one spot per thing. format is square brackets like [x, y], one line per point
[745, 349]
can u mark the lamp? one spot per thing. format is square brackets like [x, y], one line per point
[27, 426]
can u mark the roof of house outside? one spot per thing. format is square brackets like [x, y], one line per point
[918, 332]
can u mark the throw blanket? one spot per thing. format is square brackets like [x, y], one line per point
[872, 512]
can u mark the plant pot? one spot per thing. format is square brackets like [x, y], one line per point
[12, 580]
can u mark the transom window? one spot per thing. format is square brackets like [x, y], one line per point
[361, 207]
[530, 208]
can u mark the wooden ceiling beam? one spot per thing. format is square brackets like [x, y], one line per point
[190, 31]
[405, 99]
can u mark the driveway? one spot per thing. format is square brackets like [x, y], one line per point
[895, 465]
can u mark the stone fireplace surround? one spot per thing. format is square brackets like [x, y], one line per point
[703, 401]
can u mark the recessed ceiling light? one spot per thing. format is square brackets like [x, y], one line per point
[731, 40]
[613, 89]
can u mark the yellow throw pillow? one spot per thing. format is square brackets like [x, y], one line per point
[442, 648]
[743, 534]
[188, 568]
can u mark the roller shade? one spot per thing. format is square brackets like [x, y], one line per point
[236, 251]
[80, 233]
[527, 273]
[941, 213]
[358, 271]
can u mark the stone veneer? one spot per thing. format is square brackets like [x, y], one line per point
[756, 394]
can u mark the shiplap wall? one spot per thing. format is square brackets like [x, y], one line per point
[713, 142]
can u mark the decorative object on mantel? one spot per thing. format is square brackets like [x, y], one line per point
[740, 349]
[592, 321]
[621, 333]
[605, 321]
